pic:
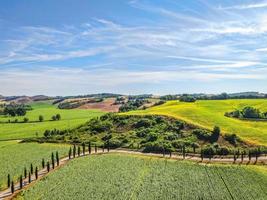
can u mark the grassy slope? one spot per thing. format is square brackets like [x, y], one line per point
[15, 156]
[209, 113]
[137, 177]
[69, 119]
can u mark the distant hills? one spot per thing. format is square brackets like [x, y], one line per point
[27, 99]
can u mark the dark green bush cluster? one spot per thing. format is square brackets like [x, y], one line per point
[247, 113]
[132, 104]
[16, 109]
[187, 98]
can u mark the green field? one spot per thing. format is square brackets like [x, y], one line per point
[15, 156]
[117, 176]
[69, 119]
[208, 113]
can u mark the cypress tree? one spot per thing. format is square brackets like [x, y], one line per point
[79, 150]
[25, 172]
[12, 187]
[242, 156]
[53, 160]
[249, 155]
[108, 145]
[70, 153]
[36, 173]
[95, 148]
[83, 149]
[43, 163]
[48, 166]
[8, 180]
[201, 154]
[20, 182]
[29, 178]
[57, 158]
[89, 148]
[31, 168]
[74, 151]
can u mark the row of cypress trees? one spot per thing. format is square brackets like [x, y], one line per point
[11, 184]
[76, 150]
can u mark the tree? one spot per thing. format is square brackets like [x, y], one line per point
[12, 187]
[74, 151]
[43, 163]
[54, 118]
[57, 158]
[53, 160]
[215, 134]
[25, 172]
[95, 148]
[36, 173]
[31, 168]
[48, 166]
[8, 180]
[25, 120]
[20, 182]
[58, 116]
[29, 178]
[70, 153]
[41, 118]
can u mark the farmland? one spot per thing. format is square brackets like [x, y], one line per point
[15, 156]
[34, 128]
[117, 176]
[207, 113]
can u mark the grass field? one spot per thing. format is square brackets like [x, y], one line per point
[116, 176]
[208, 113]
[15, 156]
[69, 119]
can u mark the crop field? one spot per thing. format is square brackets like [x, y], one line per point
[15, 156]
[69, 119]
[208, 113]
[117, 176]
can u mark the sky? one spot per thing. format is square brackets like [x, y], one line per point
[68, 47]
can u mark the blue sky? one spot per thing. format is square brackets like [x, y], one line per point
[68, 47]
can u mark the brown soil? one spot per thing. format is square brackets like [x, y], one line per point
[107, 106]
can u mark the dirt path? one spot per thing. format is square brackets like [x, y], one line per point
[6, 194]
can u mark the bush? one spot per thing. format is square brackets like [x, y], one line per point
[215, 134]
[231, 138]
[143, 123]
[201, 134]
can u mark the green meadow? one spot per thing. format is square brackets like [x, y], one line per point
[15, 156]
[117, 176]
[69, 119]
[208, 113]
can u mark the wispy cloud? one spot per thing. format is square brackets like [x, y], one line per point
[262, 4]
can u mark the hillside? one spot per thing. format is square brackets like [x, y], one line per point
[208, 113]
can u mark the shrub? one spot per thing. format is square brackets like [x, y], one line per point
[201, 134]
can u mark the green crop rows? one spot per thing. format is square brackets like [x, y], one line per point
[15, 156]
[116, 176]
